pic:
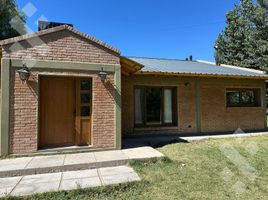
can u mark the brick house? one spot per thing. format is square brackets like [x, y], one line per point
[82, 92]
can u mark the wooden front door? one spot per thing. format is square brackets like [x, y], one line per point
[64, 118]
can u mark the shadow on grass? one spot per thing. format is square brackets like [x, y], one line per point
[168, 142]
[152, 141]
[140, 165]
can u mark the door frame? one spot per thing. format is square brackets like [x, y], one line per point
[39, 77]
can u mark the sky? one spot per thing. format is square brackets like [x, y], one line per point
[144, 28]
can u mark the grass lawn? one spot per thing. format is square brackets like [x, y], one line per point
[193, 171]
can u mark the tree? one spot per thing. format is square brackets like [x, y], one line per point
[231, 42]
[12, 20]
[260, 20]
[244, 41]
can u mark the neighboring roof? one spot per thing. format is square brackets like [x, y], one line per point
[56, 29]
[193, 68]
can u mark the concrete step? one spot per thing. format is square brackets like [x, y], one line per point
[73, 162]
[39, 183]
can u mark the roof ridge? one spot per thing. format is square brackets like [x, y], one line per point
[232, 67]
[56, 29]
[157, 58]
[207, 62]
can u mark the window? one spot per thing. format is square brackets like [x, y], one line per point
[243, 97]
[155, 106]
[85, 98]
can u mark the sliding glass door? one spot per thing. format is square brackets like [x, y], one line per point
[139, 117]
[155, 106]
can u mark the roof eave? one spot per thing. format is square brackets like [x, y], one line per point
[129, 66]
[202, 75]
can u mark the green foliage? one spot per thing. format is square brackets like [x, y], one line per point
[12, 20]
[244, 41]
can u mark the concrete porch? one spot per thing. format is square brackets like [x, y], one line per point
[71, 162]
[37, 174]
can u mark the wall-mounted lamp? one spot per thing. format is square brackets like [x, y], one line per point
[24, 73]
[186, 84]
[103, 75]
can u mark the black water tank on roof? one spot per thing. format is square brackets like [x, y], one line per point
[43, 25]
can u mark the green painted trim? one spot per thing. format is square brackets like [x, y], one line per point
[118, 108]
[5, 95]
[38, 113]
[48, 64]
[198, 106]
[264, 104]
[230, 81]
[176, 80]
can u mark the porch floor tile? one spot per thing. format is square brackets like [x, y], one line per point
[7, 184]
[142, 153]
[14, 163]
[115, 170]
[46, 161]
[72, 159]
[80, 174]
[71, 184]
[110, 156]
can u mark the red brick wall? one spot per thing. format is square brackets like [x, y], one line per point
[187, 107]
[103, 113]
[63, 46]
[23, 114]
[24, 110]
[60, 46]
[215, 117]
[185, 96]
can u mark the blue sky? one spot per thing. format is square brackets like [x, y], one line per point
[148, 28]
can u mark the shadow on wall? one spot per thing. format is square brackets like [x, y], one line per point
[113, 91]
[33, 85]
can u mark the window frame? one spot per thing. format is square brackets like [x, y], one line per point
[257, 97]
[144, 111]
